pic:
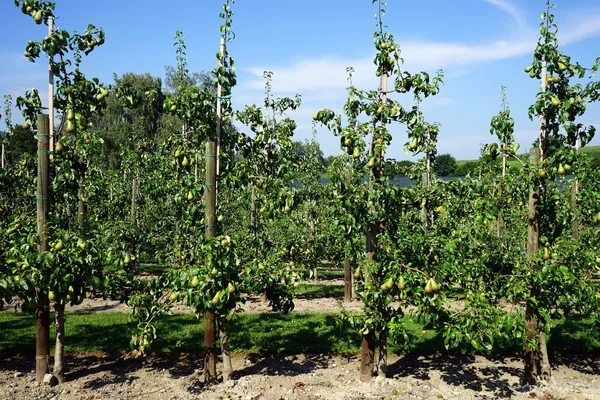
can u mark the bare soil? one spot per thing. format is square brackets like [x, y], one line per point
[275, 377]
[97, 376]
[304, 303]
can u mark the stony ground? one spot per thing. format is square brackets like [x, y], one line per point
[95, 376]
[102, 376]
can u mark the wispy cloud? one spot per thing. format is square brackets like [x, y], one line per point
[321, 76]
[582, 25]
[322, 82]
[512, 10]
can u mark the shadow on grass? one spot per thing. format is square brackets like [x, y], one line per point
[575, 343]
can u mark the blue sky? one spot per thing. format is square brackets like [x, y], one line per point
[480, 44]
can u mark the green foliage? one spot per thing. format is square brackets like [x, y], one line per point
[444, 165]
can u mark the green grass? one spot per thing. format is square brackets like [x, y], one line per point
[330, 273]
[294, 333]
[320, 291]
[591, 150]
[150, 268]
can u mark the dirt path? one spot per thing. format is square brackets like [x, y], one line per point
[300, 377]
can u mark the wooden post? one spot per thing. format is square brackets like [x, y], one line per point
[51, 88]
[531, 358]
[132, 243]
[42, 324]
[253, 212]
[347, 281]
[575, 223]
[425, 185]
[312, 241]
[505, 148]
[367, 357]
[210, 338]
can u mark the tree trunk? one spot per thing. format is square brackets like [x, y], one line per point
[574, 222]
[42, 324]
[59, 322]
[367, 362]
[545, 368]
[227, 368]
[383, 354]
[81, 209]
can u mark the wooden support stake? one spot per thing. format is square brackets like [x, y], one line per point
[347, 281]
[210, 337]
[531, 358]
[42, 322]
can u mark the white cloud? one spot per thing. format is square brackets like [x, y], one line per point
[508, 7]
[585, 25]
[322, 82]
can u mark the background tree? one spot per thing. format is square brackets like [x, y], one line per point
[132, 116]
[444, 165]
[21, 140]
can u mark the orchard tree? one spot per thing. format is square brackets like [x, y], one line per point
[383, 279]
[268, 165]
[552, 277]
[62, 272]
[503, 127]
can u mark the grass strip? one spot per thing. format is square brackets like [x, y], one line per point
[295, 333]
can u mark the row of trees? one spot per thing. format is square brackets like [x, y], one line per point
[137, 170]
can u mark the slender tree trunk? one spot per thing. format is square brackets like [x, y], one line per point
[254, 227]
[59, 322]
[500, 228]
[368, 344]
[227, 368]
[42, 324]
[81, 209]
[382, 361]
[545, 368]
[424, 207]
[367, 365]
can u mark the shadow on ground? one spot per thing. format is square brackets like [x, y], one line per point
[460, 371]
